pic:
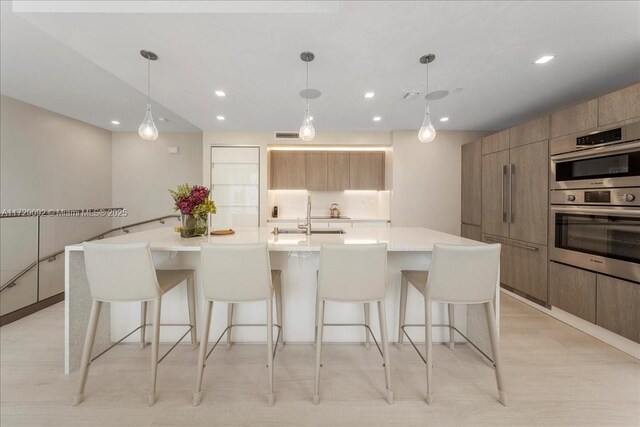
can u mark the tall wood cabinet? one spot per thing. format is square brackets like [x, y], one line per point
[472, 183]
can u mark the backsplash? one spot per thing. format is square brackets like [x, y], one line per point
[292, 204]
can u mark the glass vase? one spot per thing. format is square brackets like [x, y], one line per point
[193, 227]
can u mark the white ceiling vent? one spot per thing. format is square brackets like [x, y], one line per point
[410, 95]
[285, 135]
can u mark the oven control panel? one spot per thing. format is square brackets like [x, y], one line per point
[609, 197]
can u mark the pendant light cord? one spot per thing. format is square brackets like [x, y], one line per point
[307, 87]
[148, 83]
[426, 99]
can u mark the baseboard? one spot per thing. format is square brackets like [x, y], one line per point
[614, 340]
[30, 309]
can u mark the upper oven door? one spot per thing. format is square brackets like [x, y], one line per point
[610, 166]
[603, 239]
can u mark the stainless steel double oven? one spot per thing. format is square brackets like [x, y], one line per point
[595, 201]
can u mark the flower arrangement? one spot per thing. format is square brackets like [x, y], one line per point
[194, 204]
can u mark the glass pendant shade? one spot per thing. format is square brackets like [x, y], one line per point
[148, 129]
[427, 132]
[307, 131]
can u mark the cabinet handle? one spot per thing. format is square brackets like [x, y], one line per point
[504, 177]
[512, 178]
[518, 245]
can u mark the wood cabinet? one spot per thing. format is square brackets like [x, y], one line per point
[523, 266]
[366, 170]
[473, 232]
[496, 142]
[575, 119]
[494, 193]
[337, 170]
[287, 170]
[623, 104]
[573, 290]
[528, 192]
[531, 131]
[472, 183]
[315, 170]
[617, 306]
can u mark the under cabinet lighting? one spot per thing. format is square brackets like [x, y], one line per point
[220, 93]
[369, 95]
[544, 59]
[327, 148]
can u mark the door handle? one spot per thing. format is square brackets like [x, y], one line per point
[504, 177]
[512, 170]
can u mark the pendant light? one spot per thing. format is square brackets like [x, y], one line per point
[148, 129]
[307, 132]
[427, 132]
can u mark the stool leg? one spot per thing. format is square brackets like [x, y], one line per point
[271, 399]
[278, 291]
[382, 315]
[88, 347]
[230, 308]
[155, 345]
[191, 301]
[320, 315]
[495, 350]
[452, 341]
[143, 322]
[204, 340]
[315, 334]
[367, 342]
[429, 349]
[404, 285]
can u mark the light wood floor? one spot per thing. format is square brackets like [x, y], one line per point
[556, 376]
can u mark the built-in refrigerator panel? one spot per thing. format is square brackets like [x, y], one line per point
[235, 186]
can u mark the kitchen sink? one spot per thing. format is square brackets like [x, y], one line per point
[313, 231]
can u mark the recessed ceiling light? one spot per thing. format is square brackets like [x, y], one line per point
[444, 119]
[377, 118]
[221, 118]
[115, 122]
[220, 93]
[310, 117]
[369, 95]
[544, 59]
[163, 119]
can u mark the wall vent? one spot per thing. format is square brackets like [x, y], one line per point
[285, 135]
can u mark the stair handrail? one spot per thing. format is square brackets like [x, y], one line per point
[52, 256]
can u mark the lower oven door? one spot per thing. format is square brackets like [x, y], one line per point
[606, 240]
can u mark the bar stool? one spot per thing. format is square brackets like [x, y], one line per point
[458, 275]
[234, 273]
[125, 272]
[353, 273]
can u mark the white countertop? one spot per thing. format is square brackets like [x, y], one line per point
[398, 239]
[275, 220]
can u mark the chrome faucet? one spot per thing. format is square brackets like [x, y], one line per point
[307, 226]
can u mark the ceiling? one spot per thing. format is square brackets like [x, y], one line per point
[81, 59]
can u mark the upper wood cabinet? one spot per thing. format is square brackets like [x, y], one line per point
[287, 170]
[528, 192]
[366, 170]
[620, 105]
[575, 119]
[531, 131]
[496, 142]
[472, 183]
[337, 171]
[316, 170]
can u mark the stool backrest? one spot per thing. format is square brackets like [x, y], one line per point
[121, 271]
[463, 274]
[236, 272]
[352, 272]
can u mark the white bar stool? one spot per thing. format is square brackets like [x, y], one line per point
[458, 275]
[125, 272]
[353, 273]
[234, 273]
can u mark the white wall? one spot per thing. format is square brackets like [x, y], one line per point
[144, 171]
[48, 161]
[426, 180]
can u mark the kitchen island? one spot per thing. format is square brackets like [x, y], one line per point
[297, 255]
